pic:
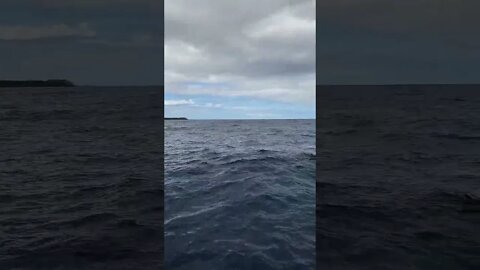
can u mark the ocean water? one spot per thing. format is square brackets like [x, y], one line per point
[81, 178]
[396, 165]
[240, 194]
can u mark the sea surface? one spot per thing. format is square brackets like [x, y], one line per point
[81, 178]
[240, 194]
[398, 167]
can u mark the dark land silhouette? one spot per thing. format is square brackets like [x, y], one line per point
[175, 118]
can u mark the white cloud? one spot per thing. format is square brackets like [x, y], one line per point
[179, 102]
[282, 25]
[212, 105]
[21, 32]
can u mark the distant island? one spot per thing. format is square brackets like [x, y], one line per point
[36, 83]
[175, 118]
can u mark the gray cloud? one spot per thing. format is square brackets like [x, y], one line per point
[409, 17]
[389, 41]
[101, 42]
[48, 31]
[81, 3]
[141, 40]
[262, 49]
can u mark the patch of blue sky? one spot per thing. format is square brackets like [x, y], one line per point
[233, 107]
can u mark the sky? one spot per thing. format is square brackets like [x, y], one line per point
[90, 42]
[398, 42]
[240, 59]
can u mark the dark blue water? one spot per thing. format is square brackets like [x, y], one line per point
[240, 194]
[81, 178]
[397, 168]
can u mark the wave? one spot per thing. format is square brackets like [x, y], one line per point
[455, 136]
[256, 193]
[81, 187]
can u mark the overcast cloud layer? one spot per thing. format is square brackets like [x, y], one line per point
[391, 41]
[238, 52]
[91, 42]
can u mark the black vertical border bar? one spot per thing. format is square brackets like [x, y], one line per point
[162, 135]
[317, 128]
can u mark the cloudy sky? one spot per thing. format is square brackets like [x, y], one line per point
[240, 59]
[392, 41]
[91, 42]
